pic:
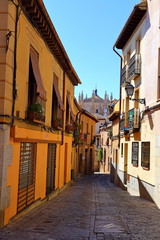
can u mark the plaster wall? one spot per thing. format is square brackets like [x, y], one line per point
[147, 84]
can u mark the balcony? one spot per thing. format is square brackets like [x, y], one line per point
[135, 66]
[35, 113]
[57, 123]
[133, 119]
[122, 122]
[35, 117]
[124, 75]
[130, 120]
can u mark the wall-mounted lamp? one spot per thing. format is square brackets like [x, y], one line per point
[130, 90]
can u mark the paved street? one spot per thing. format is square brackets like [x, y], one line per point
[92, 209]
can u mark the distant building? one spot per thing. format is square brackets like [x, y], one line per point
[99, 107]
[95, 104]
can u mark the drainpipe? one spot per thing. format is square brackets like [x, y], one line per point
[64, 89]
[120, 94]
[14, 91]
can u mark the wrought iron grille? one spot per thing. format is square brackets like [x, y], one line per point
[145, 155]
[135, 153]
[135, 65]
[26, 186]
[51, 167]
[124, 75]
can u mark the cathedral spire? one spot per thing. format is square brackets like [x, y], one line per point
[82, 96]
[111, 97]
[105, 95]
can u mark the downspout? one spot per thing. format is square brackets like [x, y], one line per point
[64, 89]
[120, 94]
[78, 119]
[14, 91]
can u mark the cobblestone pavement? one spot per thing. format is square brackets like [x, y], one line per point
[92, 209]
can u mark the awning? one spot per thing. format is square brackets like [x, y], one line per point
[55, 84]
[35, 65]
[69, 103]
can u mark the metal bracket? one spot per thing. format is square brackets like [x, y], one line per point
[140, 100]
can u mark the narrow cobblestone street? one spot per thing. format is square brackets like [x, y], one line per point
[93, 208]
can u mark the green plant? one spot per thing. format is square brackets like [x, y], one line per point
[36, 107]
[58, 119]
[77, 136]
[100, 154]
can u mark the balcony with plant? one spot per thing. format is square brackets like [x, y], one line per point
[57, 123]
[78, 137]
[35, 113]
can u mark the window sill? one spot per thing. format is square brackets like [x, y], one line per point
[145, 168]
[135, 166]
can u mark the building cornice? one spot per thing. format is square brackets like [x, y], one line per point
[131, 24]
[36, 12]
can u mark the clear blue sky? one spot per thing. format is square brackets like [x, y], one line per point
[88, 30]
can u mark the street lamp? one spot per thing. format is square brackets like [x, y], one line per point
[129, 92]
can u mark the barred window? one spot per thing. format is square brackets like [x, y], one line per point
[135, 155]
[145, 155]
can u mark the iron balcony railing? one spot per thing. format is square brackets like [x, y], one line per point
[122, 122]
[134, 118]
[135, 66]
[124, 75]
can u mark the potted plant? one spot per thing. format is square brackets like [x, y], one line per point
[68, 127]
[57, 123]
[35, 113]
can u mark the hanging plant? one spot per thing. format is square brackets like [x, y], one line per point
[100, 154]
[77, 136]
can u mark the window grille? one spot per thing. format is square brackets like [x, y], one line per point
[145, 155]
[26, 186]
[135, 153]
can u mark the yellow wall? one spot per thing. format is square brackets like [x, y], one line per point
[22, 131]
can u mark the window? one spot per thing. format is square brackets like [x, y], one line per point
[145, 155]
[91, 133]
[104, 157]
[36, 92]
[57, 105]
[87, 128]
[135, 153]
[70, 117]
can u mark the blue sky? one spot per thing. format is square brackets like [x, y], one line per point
[88, 30]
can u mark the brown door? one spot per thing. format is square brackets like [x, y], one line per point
[51, 167]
